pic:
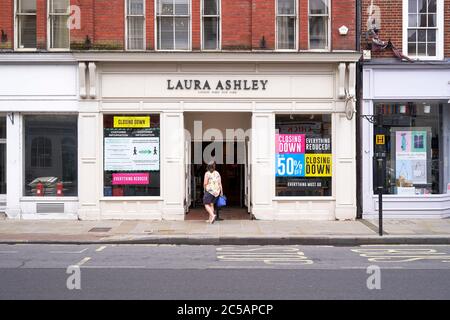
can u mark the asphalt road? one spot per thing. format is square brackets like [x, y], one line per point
[224, 273]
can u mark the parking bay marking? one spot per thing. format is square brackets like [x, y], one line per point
[267, 255]
[392, 255]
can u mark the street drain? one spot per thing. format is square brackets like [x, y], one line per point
[100, 230]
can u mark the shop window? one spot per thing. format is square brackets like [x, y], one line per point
[26, 24]
[303, 155]
[58, 17]
[132, 155]
[135, 22]
[423, 34]
[211, 24]
[413, 146]
[51, 153]
[286, 12]
[2, 155]
[319, 24]
[173, 24]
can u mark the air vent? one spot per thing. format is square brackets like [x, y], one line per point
[42, 208]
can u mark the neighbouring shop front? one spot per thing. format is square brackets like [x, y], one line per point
[275, 125]
[415, 107]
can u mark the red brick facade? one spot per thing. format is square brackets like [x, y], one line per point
[391, 12]
[246, 24]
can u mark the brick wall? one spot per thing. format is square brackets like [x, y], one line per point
[6, 23]
[244, 24]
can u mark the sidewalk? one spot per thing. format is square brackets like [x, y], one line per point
[225, 232]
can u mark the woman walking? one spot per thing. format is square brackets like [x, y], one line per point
[213, 189]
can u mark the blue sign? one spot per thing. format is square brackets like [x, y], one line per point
[290, 165]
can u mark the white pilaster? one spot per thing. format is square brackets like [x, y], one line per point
[14, 172]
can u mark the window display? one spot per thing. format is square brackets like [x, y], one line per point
[51, 155]
[304, 160]
[413, 136]
[131, 155]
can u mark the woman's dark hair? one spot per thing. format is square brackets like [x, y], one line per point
[211, 167]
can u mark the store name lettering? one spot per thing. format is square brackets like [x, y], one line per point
[225, 85]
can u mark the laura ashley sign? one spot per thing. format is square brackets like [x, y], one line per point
[218, 85]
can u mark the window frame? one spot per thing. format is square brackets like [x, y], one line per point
[16, 28]
[329, 35]
[144, 26]
[156, 29]
[296, 40]
[49, 30]
[439, 32]
[219, 17]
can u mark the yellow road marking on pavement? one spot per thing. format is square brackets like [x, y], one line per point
[70, 252]
[267, 255]
[402, 255]
[101, 249]
[7, 252]
[83, 261]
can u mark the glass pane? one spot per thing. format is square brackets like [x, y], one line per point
[165, 7]
[2, 127]
[182, 7]
[210, 7]
[423, 20]
[431, 35]
[422, 35]
[181, 33]
[318, 32]
[432, 20]
[413, 148]
[422, 6]
[27, 32]
[412, 21]
[286, 33]
[131, 155]
[412, 50]
[59, 32]
[51, 155]
[59, 6]
[431, 49]
[3, 168]
[412, 6]
[303, 155]
[26, 6]
[135, 33]
[422, 49]
[166, 33]
[432, 6]
[210, 33]
[286, 7]
[318, 6]
[412, 35]
[135, 7]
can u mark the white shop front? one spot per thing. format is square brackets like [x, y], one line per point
[414, 102]
[274, 123]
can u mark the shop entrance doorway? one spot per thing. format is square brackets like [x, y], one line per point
[232, 158]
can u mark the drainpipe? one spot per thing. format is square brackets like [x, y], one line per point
[359, 87]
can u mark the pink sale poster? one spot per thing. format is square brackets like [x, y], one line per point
[130, 179]
[290, 143]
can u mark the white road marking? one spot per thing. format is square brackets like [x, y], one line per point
[101, 249]
[69, 252]
[83, 261]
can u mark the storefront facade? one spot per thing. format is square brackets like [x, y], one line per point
[414, 103]
[39, 133]
[142, 116]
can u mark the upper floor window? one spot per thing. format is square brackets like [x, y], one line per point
[135, 24]
[319, 16]
[58, 16]
[423, 37]
[25, 24]
[173, 20]
[286, 11]
[211, 24]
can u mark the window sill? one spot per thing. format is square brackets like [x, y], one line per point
[326, 198]
[144, 198]
[49, 199]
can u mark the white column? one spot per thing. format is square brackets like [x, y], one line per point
[89, 167]
[263, 171]
[14, 165]
[172, 166]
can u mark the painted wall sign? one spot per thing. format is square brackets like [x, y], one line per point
[218, 85]
[132, 122]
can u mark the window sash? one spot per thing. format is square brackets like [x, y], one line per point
[283, 33]
[206, 17]
[135, 37]
[178, 42]
[326, 34]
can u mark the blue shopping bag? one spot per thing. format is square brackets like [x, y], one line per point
[221, 201]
